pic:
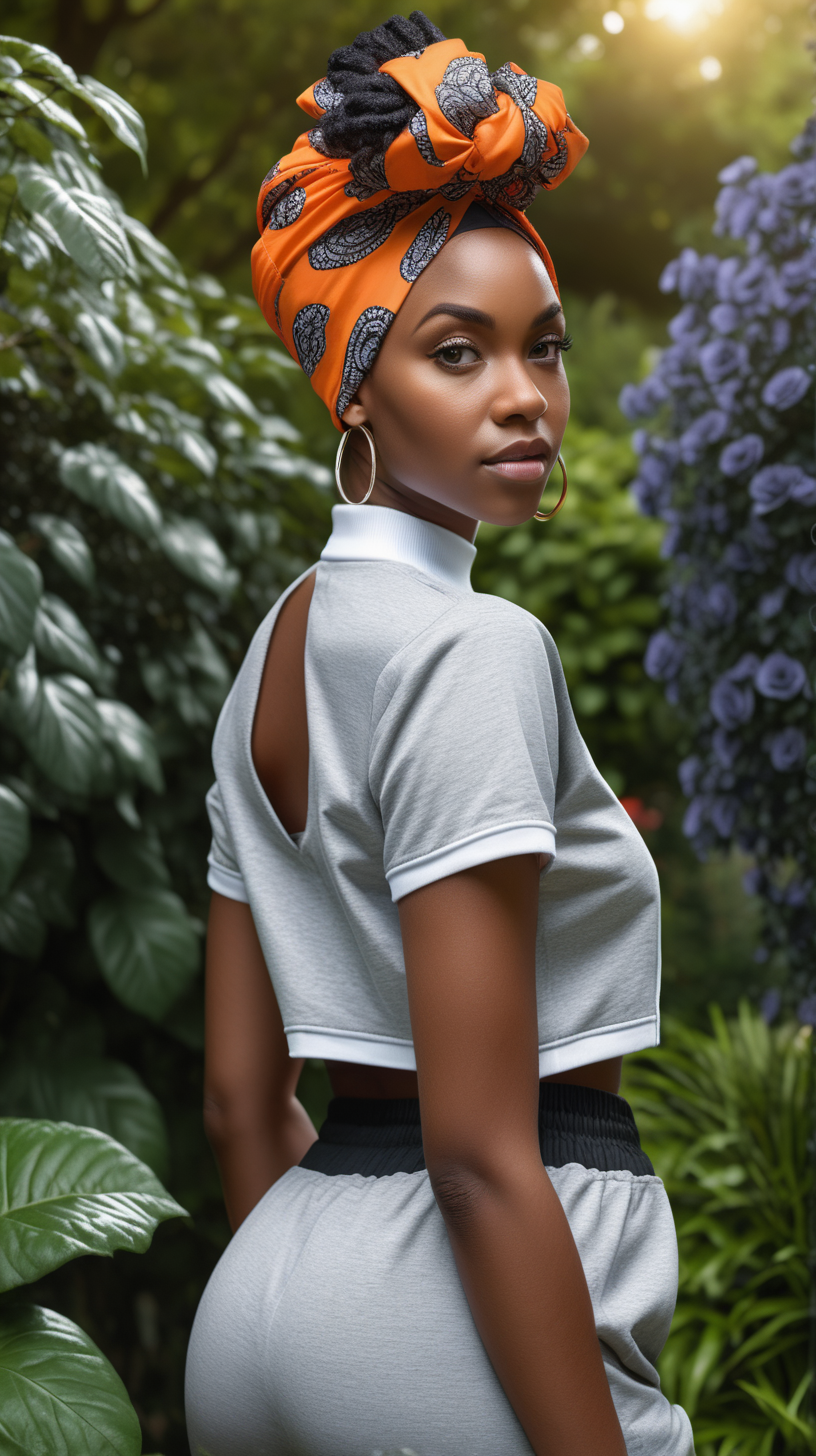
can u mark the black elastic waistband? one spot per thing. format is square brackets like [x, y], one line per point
[377, 1137]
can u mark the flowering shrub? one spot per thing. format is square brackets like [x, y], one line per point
[728, 464]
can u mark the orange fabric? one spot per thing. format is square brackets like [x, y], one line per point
[339, 250]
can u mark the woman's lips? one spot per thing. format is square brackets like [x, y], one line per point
[528, 468]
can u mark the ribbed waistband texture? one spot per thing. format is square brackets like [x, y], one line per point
[377, 1137]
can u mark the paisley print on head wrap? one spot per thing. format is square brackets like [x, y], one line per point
[367, 197]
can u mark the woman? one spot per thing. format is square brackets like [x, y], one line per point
[418, 873]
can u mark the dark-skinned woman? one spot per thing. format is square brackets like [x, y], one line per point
[418, 873]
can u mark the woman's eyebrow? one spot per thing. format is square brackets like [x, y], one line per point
[477, 316]
[548, 313]
[460, 311]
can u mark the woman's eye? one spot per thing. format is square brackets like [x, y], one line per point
[454, 354]
[550, 350]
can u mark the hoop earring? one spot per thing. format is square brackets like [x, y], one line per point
[548, 515]
[338, 462]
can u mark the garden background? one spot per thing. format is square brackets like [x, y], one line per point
[166, 472]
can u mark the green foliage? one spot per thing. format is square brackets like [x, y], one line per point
[217, 82]
[590, 575]
[58, 1393]
[65, 1191]
[724, 1116]
[142, 536]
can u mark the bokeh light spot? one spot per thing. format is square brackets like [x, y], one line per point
[613, 22]
[710, 68]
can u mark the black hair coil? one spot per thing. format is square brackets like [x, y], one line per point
[369, 110]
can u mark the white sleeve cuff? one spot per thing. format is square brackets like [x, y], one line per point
[481, 848]
[227, 882]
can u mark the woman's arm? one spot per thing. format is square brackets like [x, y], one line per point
[469, 944]
[253, 1120]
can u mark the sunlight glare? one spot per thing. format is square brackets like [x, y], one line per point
[613, 22]
[710, 68]
[683, 14]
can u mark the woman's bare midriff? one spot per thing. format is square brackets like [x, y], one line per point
[348, 1079]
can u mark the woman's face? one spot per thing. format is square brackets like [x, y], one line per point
[467, 400]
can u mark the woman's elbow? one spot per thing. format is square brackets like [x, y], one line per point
[227, 1113]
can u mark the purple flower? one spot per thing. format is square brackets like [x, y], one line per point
[780, 677]
[806, 1011]
[752, 282]
[738, 557]
[800, 572]
[787, 749]
[664, 656]
[780, 335]
[795, 186]
[743, 668]
[723, 357]
[723, 814]
[720, 604]
[738, 171]
[772, 602]
[725, 318]
[689, 275]
[742, 454]
[696, 815]
[730, 703]
[736, 210]
[687, 772]
[640, 441]
[769, 1005]
[773, 485]
[785, 388]
[727, 270]
[726, 749]
[804, 491]
[686, 326]
[706, 430]
[631, 403]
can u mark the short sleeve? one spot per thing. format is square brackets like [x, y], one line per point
[464, 747]
[223, 875]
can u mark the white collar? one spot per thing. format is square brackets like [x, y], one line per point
[377, 533]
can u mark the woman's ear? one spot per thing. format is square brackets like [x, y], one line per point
[355, 414]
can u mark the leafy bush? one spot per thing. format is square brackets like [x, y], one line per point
[67, 1191]
[142, 536]
[725, 1118]
[730, 469]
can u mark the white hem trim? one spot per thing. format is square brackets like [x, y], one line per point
[228, 883]
[598, 1046]
[341, 1046]
[383, 1051]
[480, 848]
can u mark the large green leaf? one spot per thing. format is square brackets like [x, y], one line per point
[104, 342]
[85, 222]
[67, 1191]
[97, 475]
[20, 591]
[47, 876]
[67, 545]
[38, 60]
[132, 742]
[15, 835]
[57, 720]
[91, 1092]
[60, 636]
[133, 861]
[147, 948]
[125, 123]
[195, 551]
[22, 928]
[59, 1395]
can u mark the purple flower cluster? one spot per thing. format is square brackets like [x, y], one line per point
[727, 462]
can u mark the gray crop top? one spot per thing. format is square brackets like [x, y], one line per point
[440, 736]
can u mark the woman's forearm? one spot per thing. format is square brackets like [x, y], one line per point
[254, 1149]
[526, 1288]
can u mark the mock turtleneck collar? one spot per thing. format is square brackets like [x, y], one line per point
[376, 533]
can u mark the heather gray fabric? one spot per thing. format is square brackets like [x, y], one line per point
[441, 736]
[335, 1323]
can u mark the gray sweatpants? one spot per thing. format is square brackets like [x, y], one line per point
[335, 1323]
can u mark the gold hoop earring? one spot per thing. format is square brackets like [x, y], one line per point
[548, 515]
[338, 462]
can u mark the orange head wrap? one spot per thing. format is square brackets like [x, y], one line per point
[342, 242]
